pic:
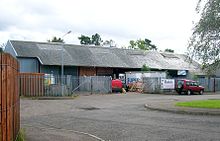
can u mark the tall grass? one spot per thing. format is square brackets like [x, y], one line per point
[21, 135]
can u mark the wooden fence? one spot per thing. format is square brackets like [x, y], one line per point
[9, 98]
[31, 84]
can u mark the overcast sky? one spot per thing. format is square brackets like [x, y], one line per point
[167, 23]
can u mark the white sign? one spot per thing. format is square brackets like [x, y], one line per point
[181, 72]
[167, 83]
[137, 76]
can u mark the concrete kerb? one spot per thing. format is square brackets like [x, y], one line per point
[185, 110]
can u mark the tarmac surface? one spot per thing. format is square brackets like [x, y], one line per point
[119, 117]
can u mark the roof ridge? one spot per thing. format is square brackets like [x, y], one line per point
[68, 44]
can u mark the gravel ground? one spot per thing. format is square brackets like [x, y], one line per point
[115, 117]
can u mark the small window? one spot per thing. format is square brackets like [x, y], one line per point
[195, 83]
[188, 83]
[180, 83]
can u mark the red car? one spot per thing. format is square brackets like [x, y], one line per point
[188, 87]
[117, 85]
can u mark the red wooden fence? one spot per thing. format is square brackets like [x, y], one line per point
[31, 84]
[9, 98]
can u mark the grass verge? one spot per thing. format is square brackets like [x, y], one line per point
[211, 104]
[21, 135]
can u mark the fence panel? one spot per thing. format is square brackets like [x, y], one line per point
[152, 85]
[217, 84]
[210, 84]
[31, 84]
[49, 85]
[9, 98]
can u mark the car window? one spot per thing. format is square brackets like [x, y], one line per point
[188, 83]
[180, 82]
[195, 83]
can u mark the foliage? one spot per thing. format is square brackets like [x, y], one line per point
[145, 68]
[210, 68]
[169, 50]
[94, 40]
[21, 135]
[132, 44]
[142, 44]
[56, 39]
[1, 47]
[85, 40]
[109, 43]
[194, 76]
[205, 41]
[211, 104]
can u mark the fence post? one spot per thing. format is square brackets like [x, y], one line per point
[214, 85]
[91, 85]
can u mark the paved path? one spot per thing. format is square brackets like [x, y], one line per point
[116, 118]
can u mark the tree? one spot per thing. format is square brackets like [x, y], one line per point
[109, 43]
[132, 44]
[205, 41]
[85, 40]
[1, 47]
[145, 68]
[169, 50]
[96, 39]
[142, 44]
[153, 47]
[55, 39]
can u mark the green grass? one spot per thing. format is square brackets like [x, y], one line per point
[211, 104]
[21, 135]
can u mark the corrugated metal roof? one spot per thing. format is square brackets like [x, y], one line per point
[80, 55]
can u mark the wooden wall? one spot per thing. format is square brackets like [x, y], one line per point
[87, 71]
[104, 71]
[31, 84]
[9, 98]
[95, 71]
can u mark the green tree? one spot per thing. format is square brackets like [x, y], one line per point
[85, 40]
[1, 47]
[205, 40]
[145, 68]
[169, 50]
[142, 44]
[153, 47]
[132, 44]
[96, 39]
[56, 39]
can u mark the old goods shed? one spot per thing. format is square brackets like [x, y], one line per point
[80, 60]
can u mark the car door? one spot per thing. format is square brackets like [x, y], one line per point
[195, 86]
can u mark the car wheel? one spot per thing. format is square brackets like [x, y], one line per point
[201, 92]
[189, 92]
